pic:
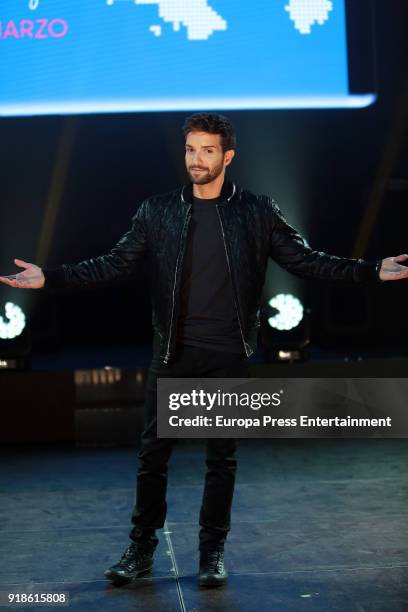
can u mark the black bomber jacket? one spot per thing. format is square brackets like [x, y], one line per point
[253, 229]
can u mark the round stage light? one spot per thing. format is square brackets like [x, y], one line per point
[15, 322]
[290, 311]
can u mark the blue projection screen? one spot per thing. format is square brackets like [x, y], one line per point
[89, 56]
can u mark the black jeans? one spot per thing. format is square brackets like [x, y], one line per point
[150, 509]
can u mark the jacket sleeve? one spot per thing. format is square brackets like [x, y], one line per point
[293, 253]
[119, 263]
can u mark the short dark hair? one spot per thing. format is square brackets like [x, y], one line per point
[212, 123]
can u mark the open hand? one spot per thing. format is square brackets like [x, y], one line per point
[391, 269]
[31, 278]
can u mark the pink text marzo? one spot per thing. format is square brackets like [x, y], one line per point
[33, 28]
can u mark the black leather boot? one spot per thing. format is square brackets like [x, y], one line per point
[136, 561]
[212, 571]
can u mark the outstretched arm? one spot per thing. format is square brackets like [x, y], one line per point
[120, 262]
[292, 252]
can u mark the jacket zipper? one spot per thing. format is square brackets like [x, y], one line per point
[232, 282]
[167, 357]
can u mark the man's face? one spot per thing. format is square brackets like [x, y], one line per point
[205, 159]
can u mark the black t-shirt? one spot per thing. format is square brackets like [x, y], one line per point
[208, 316]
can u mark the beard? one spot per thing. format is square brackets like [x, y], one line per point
[207, 175]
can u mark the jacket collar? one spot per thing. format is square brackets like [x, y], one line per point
[228, 190]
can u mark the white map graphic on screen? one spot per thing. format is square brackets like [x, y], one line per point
[201, 20]
[306, 13]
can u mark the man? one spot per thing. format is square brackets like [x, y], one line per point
[207, 245]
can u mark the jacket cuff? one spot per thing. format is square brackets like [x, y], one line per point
[54, 277]
[369, 271]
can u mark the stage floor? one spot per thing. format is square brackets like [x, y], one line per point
[317, 525]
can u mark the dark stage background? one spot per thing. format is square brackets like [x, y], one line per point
[71, 184]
